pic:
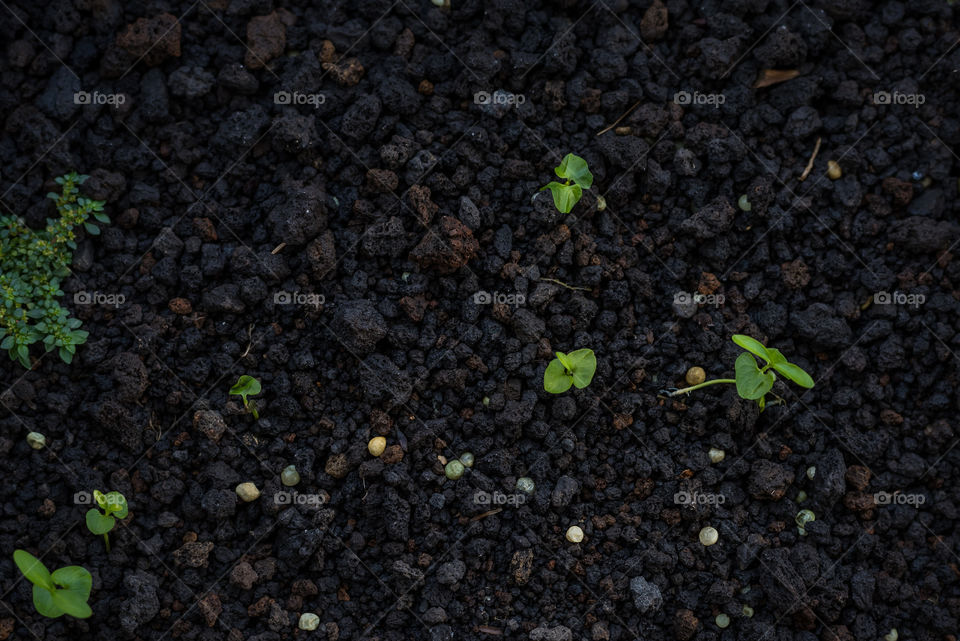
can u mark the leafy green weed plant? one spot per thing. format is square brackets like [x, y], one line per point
[32, 263]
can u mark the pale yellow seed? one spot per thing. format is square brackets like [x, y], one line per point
[709, 536]
[695, 376]
[574, 534]
[716, 455]
[833, 170]
[377, 445]
[248, 492]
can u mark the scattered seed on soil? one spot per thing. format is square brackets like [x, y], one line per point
[290, 476]
[709, 536]
[248, 492]
[747, 611]
[309, 621]
[892, 635]
[744, 203]
[801, 496]
[811, 472]
[722, 621]
[695, 376]
[467, 459]
[36, 440]
[454, 470]
[525, 484]
[716, 455]
[833, 170]
[574, 534]
[376, 445]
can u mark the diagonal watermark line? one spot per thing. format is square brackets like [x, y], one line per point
[797, 200]
[27, 27]
[773, 25]
[37, 161]
[557, 39]
[649, 49]
[440, 40]
[839, 39]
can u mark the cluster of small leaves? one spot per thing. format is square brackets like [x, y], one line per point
[577, 177]
[574, 369]
[65, 591]
[247, 386]
[110, 507]
[753, 382]
[32, 263]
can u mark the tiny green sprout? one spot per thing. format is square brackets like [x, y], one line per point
[244, 387]
[113, 506]
[64, 591]
[803, 517]
[752, 381]
[577, 177]
[576, 368]
[744, 203]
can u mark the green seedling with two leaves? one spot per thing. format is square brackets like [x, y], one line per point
[577, 177]
[110, 507]
[244, 387]
[64, 591]
[753, 381]
[574, 369]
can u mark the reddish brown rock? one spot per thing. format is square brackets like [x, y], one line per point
[419, 198]
[795, 274]
[858, 476]
[900, 191]
[180, 306]
[393, 454]
[266, 39]
[447, 248]
[194, 554]
[685, 624]
[210, 607]
[382, 180]
[347, 72]
[655, 22]
[243, 575]
[154, 39]
[414, 306]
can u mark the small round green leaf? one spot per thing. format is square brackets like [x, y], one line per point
[555, 378]
[99, 523]
[74, 578]
[751, 383]
[575, 168]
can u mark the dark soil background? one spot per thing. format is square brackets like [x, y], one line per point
[388, 186]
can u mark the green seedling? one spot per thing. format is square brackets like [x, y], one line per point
[65, 591]
[577, 177]
[576, 368]
[752, 381]
[32, 263]
[247, 386]
[112, 506]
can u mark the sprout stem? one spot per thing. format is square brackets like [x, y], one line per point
[686, 390]
[106, 539]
